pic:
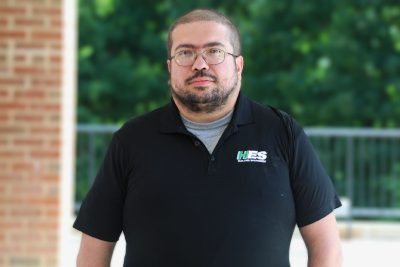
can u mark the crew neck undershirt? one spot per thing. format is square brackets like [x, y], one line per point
[209, 133]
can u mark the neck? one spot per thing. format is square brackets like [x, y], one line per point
[204, 117]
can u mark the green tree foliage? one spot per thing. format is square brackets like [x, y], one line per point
[331, 62]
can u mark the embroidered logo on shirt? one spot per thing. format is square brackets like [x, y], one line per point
[252, 156]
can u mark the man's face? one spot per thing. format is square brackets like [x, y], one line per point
[203, 87]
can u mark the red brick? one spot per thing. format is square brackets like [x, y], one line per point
[27, 236]
[26, 212]
[54, 95]
[4, 93]
[55, 143]
[46, 36]
[12, 34]
[29, 75]
[51, 261]
[43, 225]
[28, 142]
[56, 47]
[3, 190]
[33, 93]
[48, 201]
[20, 58]
[50, 177]
[47, 11]
[28, 189]
[10, 153]
[12, 249]
[35, 2]
[45, 130]
[4, 70]
[27, 166]
[29, 118]
[55, 71]
[11, 81]
[3, 22]
[38, 59]
[4, 118]
[30, 45]
[47, 249]
[46, 107]
[7, 201]
[56, 23]
[3, 214]
[8, 177]
[29, 71]
[45, 154]
[53, 213]
[29, 22]
[3, 58]
[5, 220]
[12, 105]
[12, 129]
[3, 143]
[52, 235]
[3, 166]
[55, 59]
[46, 82]
[12, 10]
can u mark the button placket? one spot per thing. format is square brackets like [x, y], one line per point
[212, 165]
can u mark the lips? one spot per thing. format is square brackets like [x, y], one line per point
[201, 77]
[200, 81]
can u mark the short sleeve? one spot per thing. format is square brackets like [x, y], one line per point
[314, 194]
[101, 212]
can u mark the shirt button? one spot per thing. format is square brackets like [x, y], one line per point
[196, 143]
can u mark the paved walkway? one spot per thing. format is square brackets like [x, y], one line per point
[364, 244]
[372, 245]
[356, 253]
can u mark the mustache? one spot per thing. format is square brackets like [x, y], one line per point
[200, 73]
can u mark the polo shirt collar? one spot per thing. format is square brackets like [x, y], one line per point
[171, 121]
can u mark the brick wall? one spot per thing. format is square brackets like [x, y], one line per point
[30, 128]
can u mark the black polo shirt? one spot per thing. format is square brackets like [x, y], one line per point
[180, 206]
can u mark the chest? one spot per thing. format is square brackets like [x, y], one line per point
[247, 172]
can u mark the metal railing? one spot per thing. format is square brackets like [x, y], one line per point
[364, 165]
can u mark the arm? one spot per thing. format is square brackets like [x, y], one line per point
[94, 252]
[323, 242]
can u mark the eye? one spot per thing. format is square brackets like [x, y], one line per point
[185, 53]
[214, 52]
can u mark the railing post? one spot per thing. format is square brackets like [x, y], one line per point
[349, 181]
[92, 157]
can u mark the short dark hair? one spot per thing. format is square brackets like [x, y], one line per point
[208, 15]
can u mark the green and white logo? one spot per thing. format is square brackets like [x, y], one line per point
[251, 156]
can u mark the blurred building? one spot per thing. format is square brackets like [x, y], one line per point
[37, 107]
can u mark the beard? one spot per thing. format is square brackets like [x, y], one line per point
[206, 102]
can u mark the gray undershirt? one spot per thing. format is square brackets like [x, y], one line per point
[208, 133]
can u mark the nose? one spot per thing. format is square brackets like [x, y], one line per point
[200, 64]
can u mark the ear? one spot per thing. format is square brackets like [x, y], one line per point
[239, 66]
[169, 65]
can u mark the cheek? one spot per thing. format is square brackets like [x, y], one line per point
[228, 75]
[176, 73]
[176, 78]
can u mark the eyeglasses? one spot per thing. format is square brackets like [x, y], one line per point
[212, 56]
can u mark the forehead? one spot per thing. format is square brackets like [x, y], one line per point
[200, 33]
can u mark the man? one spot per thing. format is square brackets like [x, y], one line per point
[211, 179]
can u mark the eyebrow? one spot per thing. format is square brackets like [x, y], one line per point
[210, 44]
